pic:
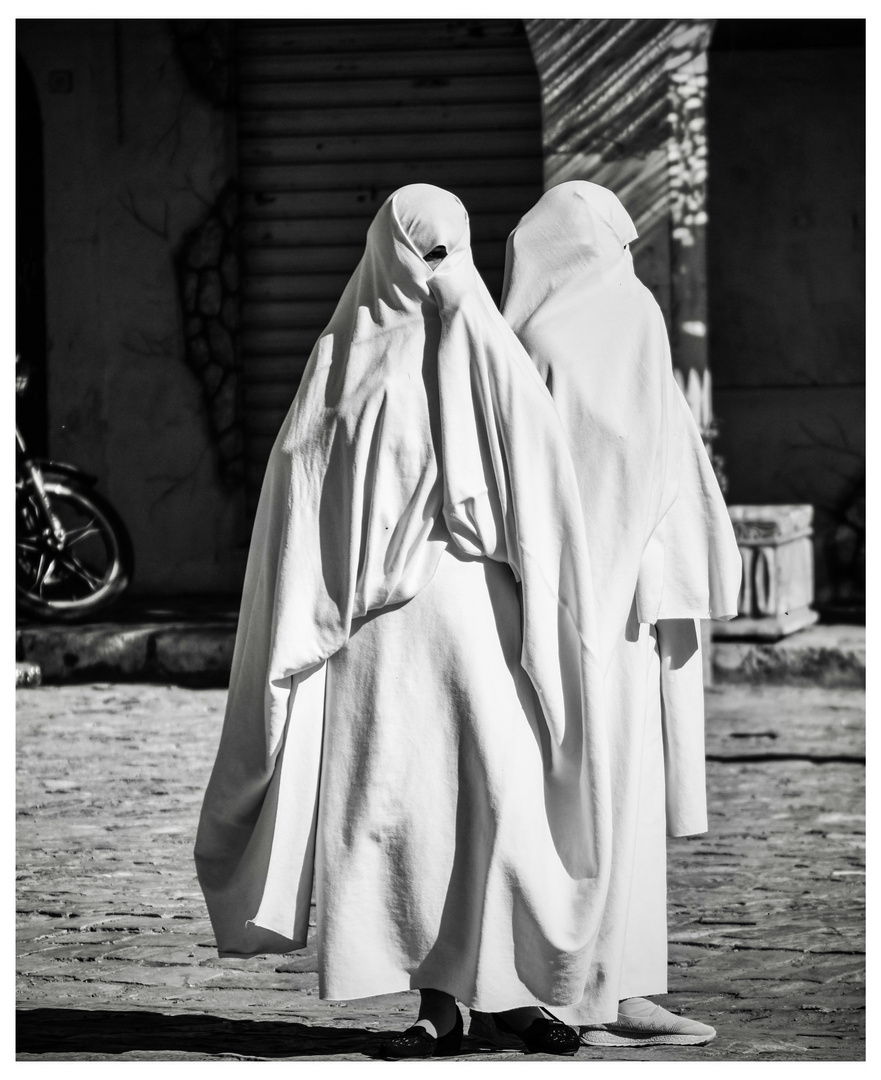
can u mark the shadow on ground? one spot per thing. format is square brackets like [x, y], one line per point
[53, 1032]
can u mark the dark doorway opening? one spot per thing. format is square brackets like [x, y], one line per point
[786, 277]
[333, 116]
[30, 289]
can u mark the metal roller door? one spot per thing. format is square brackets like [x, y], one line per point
[333, 116]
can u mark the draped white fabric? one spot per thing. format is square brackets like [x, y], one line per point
[421, 428]
[656, 521]
[662, 549]
[658, 530]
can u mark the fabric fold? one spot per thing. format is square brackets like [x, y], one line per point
[657, 524]
[419, 421]
[662, 549]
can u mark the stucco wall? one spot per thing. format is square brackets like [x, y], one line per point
[133, 157]
[786, 286]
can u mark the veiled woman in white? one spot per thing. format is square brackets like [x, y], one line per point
[414, 726]
[663, 556]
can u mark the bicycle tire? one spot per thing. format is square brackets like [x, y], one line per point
[65, 492]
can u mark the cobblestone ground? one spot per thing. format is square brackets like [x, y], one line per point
[116, 958]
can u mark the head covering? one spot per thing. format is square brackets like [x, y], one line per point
[658, 529]
[419, 412]
[420, 421]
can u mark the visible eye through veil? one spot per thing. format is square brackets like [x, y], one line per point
[420, 420]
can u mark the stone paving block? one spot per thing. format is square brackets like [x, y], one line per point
[265, 981]
[300, 963]
[201, 977]
[81, 952]
[747, 720]
[766, 910]
[168, 953]
[136, 974]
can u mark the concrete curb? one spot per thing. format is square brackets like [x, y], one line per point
[830, 656]
[200, 654]
[180, 653]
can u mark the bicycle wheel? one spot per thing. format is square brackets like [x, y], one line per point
[84, 573]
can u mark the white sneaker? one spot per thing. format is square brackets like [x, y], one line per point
[643, 1023]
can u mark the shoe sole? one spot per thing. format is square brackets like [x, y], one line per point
[610, 1038]
[512, 1043]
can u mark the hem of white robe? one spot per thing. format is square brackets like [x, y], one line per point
[408, 983]
[401, 982]
[641, 990]
[226, 954]
[689, 611]
[694, 828]
[590, 1011]
[290, 946]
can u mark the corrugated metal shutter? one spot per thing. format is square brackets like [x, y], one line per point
[333, 116]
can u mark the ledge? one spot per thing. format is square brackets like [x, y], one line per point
[817, 656]
[197, 651]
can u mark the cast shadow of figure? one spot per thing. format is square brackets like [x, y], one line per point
[51, 1033]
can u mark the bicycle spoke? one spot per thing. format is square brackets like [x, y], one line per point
[73, 536]
[43, 571]
[72, 563]
[79, 564]
[28, 545]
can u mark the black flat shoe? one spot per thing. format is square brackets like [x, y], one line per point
[415, 1042]
[545, 1035]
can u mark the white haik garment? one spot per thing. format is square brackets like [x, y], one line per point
[663, 552]
[400, 731]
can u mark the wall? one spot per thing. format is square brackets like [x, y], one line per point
[133, 158]
[333, 116]
[623, 107]
[786, 288]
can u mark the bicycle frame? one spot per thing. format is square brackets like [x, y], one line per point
[30, 475]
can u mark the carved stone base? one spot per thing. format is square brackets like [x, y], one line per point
[778, 571]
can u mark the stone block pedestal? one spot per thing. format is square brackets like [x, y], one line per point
[778, 571]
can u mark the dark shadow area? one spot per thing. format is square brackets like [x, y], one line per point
[51, 1032]
[786, 280]
[30, 242]
[789, 34]
[816, 759]
[110, 1031]
[140, 610]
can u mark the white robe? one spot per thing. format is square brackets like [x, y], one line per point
[663, 552]
[435, 863]
[415, 717]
